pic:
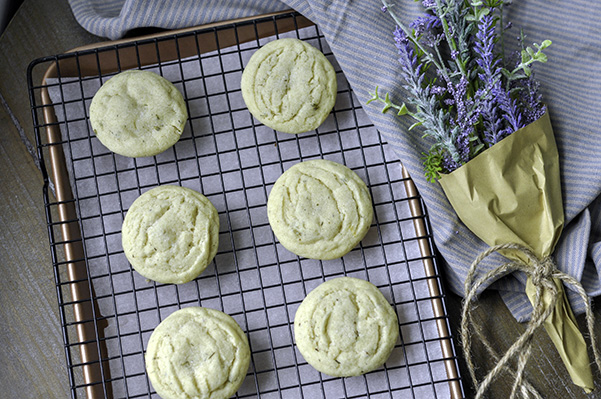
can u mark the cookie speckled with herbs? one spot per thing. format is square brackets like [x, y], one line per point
[197, 353]
[289, 86]
[319, 209]
[345, 327]
[138, 114]
[170, 234]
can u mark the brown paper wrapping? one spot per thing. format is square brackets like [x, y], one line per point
[511, 193]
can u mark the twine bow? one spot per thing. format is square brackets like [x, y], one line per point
[542, 272]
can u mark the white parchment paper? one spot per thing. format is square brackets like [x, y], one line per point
[234, 161]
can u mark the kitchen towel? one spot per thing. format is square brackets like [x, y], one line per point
[360, 36]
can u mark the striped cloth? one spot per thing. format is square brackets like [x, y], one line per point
[361, 39]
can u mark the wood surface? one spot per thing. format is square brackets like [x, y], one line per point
[32, 358]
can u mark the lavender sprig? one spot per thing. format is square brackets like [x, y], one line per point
[428, 112]
[461, 91]
[490, 68]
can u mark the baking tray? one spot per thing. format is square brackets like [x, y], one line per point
[108, 312]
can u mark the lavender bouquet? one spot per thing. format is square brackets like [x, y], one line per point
[493, 151]
[476, 95]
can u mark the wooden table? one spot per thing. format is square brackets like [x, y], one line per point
[31, 343]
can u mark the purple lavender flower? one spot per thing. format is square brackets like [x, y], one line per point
[448, 163]
[465, 117]
[424, 23]
[511, 113]
[425, 27]
[437, 90]
[530, 99]
[407, 57]
[434, 121]
[429, 3]
[491, 120]
[489, 76]
[484, 47]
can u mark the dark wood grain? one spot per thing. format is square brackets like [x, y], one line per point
[39, 28]
[31, 349]
[31, 343]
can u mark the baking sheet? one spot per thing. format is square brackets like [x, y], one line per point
[234, 161]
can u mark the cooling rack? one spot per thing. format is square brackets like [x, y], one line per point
[108, 311]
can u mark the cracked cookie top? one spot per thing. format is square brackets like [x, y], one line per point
[197, 353]
[289, 86]
[319, 209]
[138, 114]
[170, 234]
[345, 327]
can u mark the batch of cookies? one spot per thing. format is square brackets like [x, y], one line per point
[317, 209]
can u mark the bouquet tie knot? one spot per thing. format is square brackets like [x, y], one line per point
[546, 280]
[543, 272]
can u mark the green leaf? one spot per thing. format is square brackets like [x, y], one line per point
[545, 44]
[416, 124]
[517, 76]
[374, 97]
[541, 57]
[525, 56]
[403, 110]
[477, 149]
[530, 51]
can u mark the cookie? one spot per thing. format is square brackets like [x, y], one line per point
[138, 114]
[289, 86]
[345, 327]
[170, 234]
[319, 209]
[197, 353]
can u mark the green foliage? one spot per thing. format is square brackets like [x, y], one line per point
[432, 165]
[388, 104]
[529, 56]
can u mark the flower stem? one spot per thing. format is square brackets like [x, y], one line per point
[410, 36]
[450, 39]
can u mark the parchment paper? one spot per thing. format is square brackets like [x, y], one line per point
[234, 161]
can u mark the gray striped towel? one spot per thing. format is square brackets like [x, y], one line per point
[361, 38]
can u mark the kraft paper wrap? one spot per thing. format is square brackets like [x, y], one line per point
[511, 193]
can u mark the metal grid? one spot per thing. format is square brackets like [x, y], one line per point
[234, 161]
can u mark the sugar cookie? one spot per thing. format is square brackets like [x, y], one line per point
[345, 327]
[289, 86]
[197, 353]
[138, 114]
[170, 234]
[319, 209]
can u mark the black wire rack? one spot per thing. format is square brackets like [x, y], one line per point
[108, 311]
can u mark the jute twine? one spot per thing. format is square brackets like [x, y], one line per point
[542, 273]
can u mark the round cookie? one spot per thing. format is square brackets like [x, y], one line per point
[289, 86]
[197, 353]
[138, 114]
[345, 327]
[170, 234]
[319, 209]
